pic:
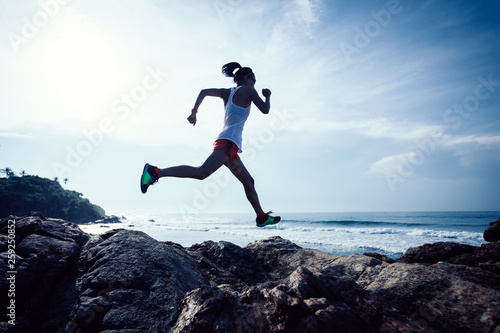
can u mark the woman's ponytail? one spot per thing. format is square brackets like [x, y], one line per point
[228, 69]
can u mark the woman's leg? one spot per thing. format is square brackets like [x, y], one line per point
[211, 164]
[239, 170]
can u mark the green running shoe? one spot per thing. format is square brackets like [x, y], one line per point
[267, 220]
[149, 177]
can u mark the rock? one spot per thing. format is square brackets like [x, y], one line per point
[492, 233]
[486, 256]
[288, 289]
[129, 281]
[226, 263]
[24, 227]
[125, 281]
[301, 302]
[47, 255]
[380, 257]
[441, 297]
[433, 253]
[110, 219]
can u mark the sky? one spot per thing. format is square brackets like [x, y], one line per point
[375, 105]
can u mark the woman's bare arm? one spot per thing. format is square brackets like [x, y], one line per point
[204, 93]
[208, 92]
[263, 106]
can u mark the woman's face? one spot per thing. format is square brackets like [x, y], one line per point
[250, 80]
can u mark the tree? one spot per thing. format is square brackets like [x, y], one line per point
[8, 172]
[65, 180]
[23, 173]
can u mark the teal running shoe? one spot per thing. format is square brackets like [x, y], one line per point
[149, 177]
[267, 220]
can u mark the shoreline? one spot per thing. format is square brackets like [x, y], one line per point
[328, 232]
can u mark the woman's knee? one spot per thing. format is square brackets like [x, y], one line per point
[202, 173]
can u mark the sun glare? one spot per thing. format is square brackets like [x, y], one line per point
[78, 70]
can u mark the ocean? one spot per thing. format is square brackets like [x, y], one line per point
[388, 233]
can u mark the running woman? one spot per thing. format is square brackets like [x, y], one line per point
[237, 102]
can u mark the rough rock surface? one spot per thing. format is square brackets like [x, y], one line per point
[492, 233]
[486, 256]
[125, 281]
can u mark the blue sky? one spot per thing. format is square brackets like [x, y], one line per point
[376, 105]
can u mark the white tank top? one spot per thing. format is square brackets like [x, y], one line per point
[234, 121]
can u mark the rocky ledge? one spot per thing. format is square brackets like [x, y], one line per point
[64, 280]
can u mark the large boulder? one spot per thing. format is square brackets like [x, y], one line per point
[492, 233]
[486, 256]
[286, 289]
[128, 280]
[69, 281]
[442, 297]
[433, 253]
[47, 252]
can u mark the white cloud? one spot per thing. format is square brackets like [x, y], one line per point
[390, 164]
[15, 135]
[381, 128]
[471, 149]
[465, 147]
[304, 12]
[476, 140]
[299, 20]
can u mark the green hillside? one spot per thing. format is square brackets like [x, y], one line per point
[21, 195]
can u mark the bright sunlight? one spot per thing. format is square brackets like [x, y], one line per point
[78, 68]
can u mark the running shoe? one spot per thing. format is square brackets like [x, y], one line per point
[149, 177]
[267, 220]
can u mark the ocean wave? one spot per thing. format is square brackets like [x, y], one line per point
[383, 231]
[362, 222]
[342, 235]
